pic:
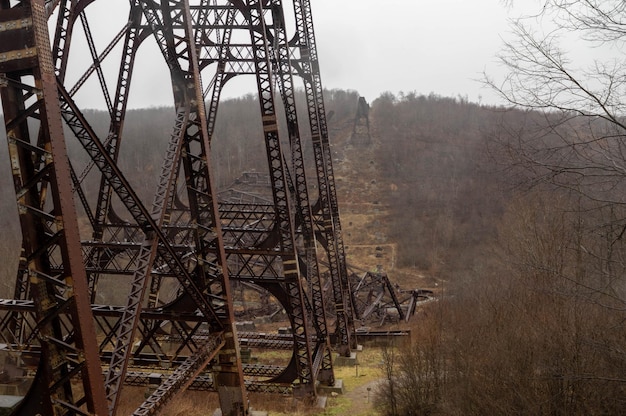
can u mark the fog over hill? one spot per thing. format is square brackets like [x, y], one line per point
[427, 159]
[518, 227]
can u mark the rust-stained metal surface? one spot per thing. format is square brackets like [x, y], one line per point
[51, 263]
[178, 254]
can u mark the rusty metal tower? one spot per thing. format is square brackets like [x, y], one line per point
[177, 257]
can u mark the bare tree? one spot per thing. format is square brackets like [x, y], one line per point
[543, 76]
[573, 136]
[566, 139]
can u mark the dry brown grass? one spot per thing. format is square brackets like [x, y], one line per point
[354, 402]
[190, 403]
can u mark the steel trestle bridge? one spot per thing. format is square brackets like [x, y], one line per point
[181, 255]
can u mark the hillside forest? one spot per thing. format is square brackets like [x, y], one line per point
[517, 230]
[519, 234]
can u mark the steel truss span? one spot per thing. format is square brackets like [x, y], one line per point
[177, 256]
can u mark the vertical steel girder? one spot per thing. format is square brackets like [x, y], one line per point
[178, 238]
[239, 60]
[49, 222]
[299, 184]
[284, 221]
[132, 39]
[315, 103]
[326, 209]
[209, 246]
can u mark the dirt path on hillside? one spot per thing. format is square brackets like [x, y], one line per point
[362, 399]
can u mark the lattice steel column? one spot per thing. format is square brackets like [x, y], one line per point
[172, 27]
[42, 180]
[304, 218]
[327, 205]
[284, 220]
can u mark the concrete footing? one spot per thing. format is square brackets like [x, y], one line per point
[320, 402]
[351, 361]
[337, 388]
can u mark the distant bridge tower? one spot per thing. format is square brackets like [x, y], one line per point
[361, 129]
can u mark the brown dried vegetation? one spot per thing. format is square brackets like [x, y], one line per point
[529, 269]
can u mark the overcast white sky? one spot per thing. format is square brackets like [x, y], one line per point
[440, 46]
[372, 46]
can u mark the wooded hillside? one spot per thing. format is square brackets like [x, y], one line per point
[519, 215]
[520, 233]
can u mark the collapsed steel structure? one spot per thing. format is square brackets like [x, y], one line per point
[178, 256]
